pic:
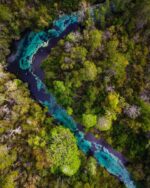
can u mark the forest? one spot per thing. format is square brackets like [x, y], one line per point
[100, 74]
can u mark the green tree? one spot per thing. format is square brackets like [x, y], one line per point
[118, 63]
[63, 153]
[89, 72]
[142, 11]
[6, 159]
[145, 114]
[113, 100]
[93, 38]
[5, 13]
[9, 180]
[78, 54]
[59, 87]
[63, 93]
[104, 123]
[89, 120]
[92, 166]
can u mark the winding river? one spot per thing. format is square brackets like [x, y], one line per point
[25, 62]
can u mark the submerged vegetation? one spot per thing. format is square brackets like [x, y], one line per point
[99, 74]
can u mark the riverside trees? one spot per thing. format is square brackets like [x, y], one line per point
[27, 140]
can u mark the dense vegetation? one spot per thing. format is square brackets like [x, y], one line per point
[99, 74]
